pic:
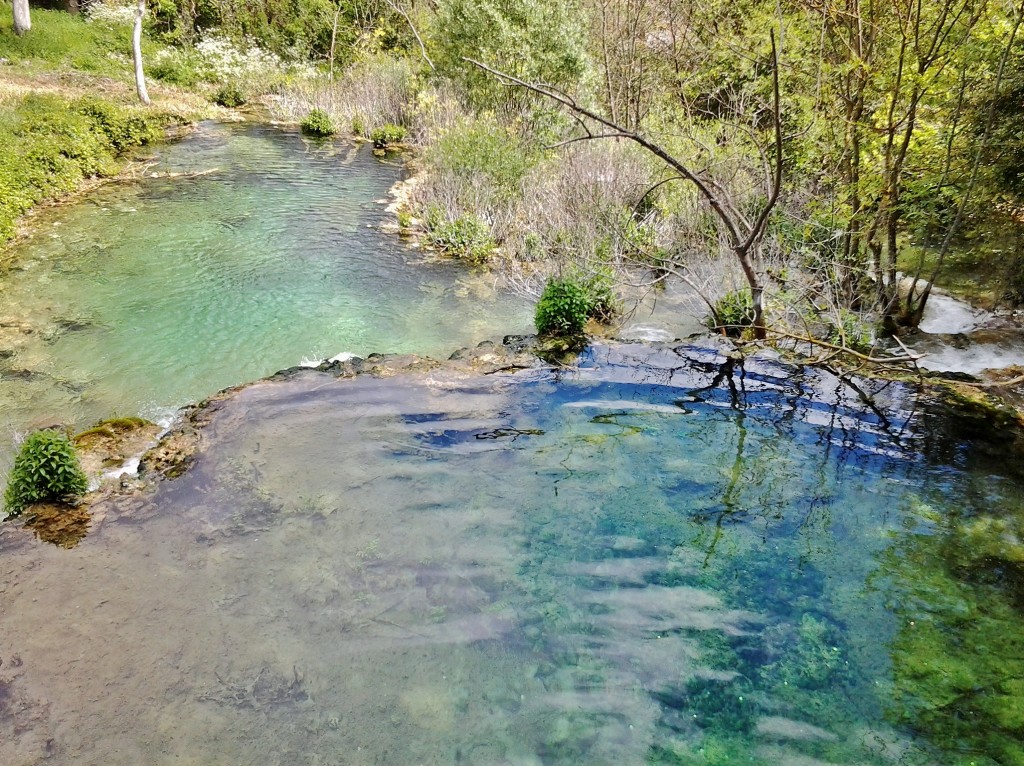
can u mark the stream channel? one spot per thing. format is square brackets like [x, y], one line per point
[659, 556]
[251, 250]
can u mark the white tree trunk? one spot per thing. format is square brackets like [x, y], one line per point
[22, 20]
[140, 77]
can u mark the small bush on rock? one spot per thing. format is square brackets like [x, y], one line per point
[563, 308]
[46, 468]
[388, 135]
[466, 237]
[318, 123]
[733, 313]
[230, 96]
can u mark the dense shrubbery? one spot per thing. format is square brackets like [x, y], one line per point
[481, 150]
[230, 95]
[46, 468]
[52, 144]
[465, 237]
[318, 123]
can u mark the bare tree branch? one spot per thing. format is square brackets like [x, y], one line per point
[423, 48]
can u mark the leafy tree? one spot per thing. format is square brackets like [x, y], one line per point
[535, 40]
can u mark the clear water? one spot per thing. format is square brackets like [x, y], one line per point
[656, 558]
[146, 296]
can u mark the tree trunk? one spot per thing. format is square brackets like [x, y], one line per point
[22, 19]
[140, 77]
[334, 38]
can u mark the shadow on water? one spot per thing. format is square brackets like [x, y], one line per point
[660, 556]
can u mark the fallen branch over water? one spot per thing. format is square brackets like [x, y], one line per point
[909, 356]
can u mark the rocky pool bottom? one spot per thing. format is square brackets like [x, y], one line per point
[659, 556]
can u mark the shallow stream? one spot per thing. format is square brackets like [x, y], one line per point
[661, 557]
[241, 251]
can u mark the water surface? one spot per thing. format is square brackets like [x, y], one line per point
[250, 250]
[661, 557]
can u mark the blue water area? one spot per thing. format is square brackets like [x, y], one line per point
[659, 556]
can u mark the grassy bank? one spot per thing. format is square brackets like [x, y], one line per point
[68, 111]
[49, 144]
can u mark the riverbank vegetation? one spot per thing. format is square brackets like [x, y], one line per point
[809, 156]
[639, 139]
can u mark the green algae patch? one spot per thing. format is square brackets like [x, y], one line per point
[110, 429]
[978, 408]
[958, 654]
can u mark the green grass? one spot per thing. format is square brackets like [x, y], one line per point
[49, 144]
[51, 141]
[60, 40]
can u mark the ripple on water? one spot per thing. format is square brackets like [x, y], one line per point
[490, 571]
[193, 283]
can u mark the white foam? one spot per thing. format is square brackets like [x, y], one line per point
[130, 467]
[944, 315]
[647, 332]
[972, 360]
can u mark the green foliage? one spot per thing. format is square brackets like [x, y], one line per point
[388, 135]
[713, 750]
[358, 126]
[563, 308]
[318, 123]
[123, 127]
[722, 704]
[177, 67]
[46, 468]
[296, 29]
[49, 144]
[465, 237]
[485, 152]
[851, 331]
[812, 660]
[230, 95]
[536, 40]
[66, 40]
[958, 657]
[734, 312]
[567, 303]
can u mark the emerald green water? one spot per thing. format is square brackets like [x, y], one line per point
[146, 296]
[659, 557]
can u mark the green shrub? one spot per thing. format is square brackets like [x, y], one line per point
[49, 144]
[483, 148]
[123, 127]
[46, 468]
[387, 135]
[850, 332]
[465, 237]
[177, 67]
[563, 308]
[230, 95]
[358, 126]
[604, 303]
[734, 312]
[318, 123]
